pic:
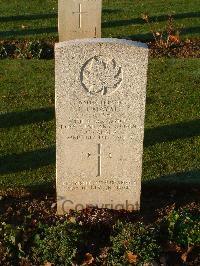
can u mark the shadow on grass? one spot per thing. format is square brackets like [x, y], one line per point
[13, 33]
[149, 36]
[28, 17]
[127, 22]
[106, 24]
[114, 23]
[171, 132]
[139, 37]
[27, 117]
[47, 187]
[177, 189]
[176, 180]
[111, 10]
[27, 160]
[46, 15]
[190, 30]
[120, 23]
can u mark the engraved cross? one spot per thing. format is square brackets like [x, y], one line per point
[99, 159]
[80, 15]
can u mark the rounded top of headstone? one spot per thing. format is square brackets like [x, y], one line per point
[102, 40]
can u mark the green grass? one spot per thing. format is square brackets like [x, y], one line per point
[27, 125]
[27, 130]
[121, 18]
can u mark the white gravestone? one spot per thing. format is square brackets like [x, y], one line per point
[100, 108]
[78, 19]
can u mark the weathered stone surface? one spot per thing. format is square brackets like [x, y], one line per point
[78, 19]
[100, 107]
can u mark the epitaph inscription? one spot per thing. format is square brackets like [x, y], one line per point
[100, 100]
[79, 19]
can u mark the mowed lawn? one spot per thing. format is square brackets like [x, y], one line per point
[27, 123]
[121, 18]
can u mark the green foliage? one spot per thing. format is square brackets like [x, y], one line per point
[40, 50]
[135, 238]
[3, 52]
[65, 243]
[182, 228]
[12, 238]
[57, 244]
[35, 49]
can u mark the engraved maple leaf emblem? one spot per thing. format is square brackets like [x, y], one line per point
[101, 75]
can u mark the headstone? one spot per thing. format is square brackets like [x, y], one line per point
[100, 107]
[78, 19]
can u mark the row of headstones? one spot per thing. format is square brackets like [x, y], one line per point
[100, 108]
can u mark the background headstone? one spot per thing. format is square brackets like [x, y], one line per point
[100, 107]
[78, 19]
